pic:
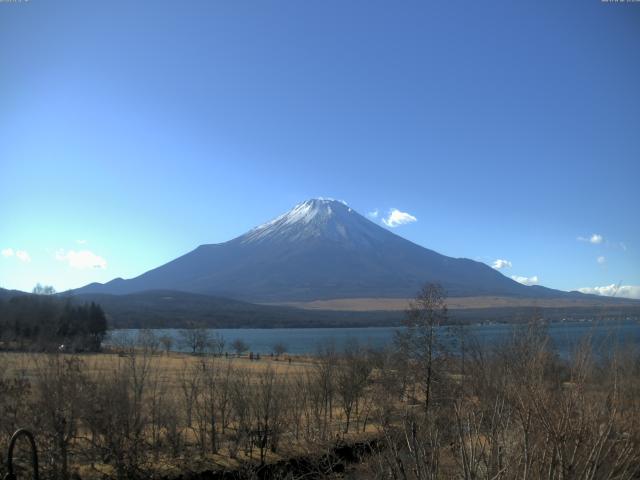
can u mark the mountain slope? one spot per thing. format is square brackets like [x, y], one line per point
[321, 249]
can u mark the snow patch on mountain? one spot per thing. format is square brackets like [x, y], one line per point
[313, 218]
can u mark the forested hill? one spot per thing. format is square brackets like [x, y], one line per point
[47, 322]
[173, 309]
[6, 294]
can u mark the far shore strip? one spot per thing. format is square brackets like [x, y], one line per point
[462, 303]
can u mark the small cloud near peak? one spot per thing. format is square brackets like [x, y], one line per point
[501, 263]
[525, 280]
[81, 259]
[396, 218]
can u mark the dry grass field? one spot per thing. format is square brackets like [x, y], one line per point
[171, 365]
[518, 411]
[454, 303]
[187, 412]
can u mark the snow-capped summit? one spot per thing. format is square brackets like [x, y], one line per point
[320, 249]
[314, 218]
[318, 209]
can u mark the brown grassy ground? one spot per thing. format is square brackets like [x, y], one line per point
[453, 303]
[171, 364]
[172, 368]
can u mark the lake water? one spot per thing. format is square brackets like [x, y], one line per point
[565, 336]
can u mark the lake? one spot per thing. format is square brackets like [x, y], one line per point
[565, 336]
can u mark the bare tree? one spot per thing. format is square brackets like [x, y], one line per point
[217, 344]
[239, 346]
[189, 382]
[58, 400]
[197, 340]
[240, 392]
[352, 377]
[43, 290]
[323, 388]
[167, 342]
[267, 403]
[419, 341]
[279, 348]
[119, 426]
[148, 341]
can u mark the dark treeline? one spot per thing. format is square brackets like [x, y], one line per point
[44, 322]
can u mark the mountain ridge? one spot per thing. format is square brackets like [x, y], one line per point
[321, 249]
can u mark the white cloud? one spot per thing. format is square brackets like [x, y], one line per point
[373, 214]
[500, 263]
[625, 291]
[526, 280]
[81, 242]
[396, 218]
[601, 260]
[23, 256]
[81, 259]
[596, 239]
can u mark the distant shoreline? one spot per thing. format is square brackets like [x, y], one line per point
[305, 341]
[371, 304]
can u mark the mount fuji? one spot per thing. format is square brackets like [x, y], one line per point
[320, 250]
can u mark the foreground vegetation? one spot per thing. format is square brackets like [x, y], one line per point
[510, 412]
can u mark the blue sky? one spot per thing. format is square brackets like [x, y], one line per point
[131, 132]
